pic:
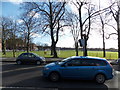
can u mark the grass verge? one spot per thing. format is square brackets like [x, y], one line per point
[66, 53]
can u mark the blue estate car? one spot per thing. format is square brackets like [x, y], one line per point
[79, 67]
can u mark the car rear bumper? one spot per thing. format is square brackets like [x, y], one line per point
[110, 76]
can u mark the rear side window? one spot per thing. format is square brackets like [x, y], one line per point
[100, 63]
[87, 63]
[93, 62]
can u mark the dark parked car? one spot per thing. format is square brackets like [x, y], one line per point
[27, 58]
[80, 67]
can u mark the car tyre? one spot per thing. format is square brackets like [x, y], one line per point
[18, 62]
[38, 62]
[100, 78]
[54, 76]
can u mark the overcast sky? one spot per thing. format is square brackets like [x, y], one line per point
[10, 8]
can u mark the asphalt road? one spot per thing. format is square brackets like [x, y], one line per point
[29, 77]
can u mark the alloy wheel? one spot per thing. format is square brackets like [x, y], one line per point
[100, 78]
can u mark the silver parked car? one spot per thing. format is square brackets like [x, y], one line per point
[115, 62]
[118, 61]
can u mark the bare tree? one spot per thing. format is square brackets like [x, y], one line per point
[13, 35]
[52, 19]
[85, 23]
[104, 21]
[103, 35]
[115, 11]
[29, 25]
[5, 25]
[73, 22]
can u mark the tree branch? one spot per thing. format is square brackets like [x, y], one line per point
[111, 34]
[96, 13]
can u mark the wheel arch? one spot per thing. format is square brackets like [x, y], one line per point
[55, 72]
[38, 61]
[100, 73]
[19, 60]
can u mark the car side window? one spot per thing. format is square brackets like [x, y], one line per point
[31, 55]
[88, 62]
[92, 62]
[101, 63]
[24, 55]
[73, 62]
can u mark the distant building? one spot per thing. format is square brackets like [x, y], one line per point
[19, 44]
[33, 47]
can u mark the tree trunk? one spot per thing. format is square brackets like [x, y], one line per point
[80, 20]
[54, 50]
[14, 43]
[13, 52]
[51, 50]
[104, 54]
[118, 27]
[76, 48]
[118, 43]
[85, 48]
[28, 47]
[25, 45]
[3, 47]
[28, 40]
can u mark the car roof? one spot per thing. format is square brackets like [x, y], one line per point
[28, 53]
[89, 57]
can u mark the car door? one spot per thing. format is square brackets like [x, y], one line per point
[24, 58]
[31, 58]
[70, 69]
[87, 69]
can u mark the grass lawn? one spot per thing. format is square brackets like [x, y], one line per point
[67, 53]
